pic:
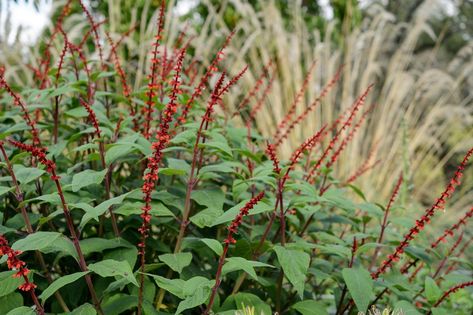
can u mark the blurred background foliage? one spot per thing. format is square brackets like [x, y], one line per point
[417, 52]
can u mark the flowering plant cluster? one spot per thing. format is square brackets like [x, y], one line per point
[162, 196]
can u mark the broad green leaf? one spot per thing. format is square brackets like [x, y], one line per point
[310, 307]
[175, 167]
[117, 151]
[119, 304]
[98, 245]
[173, 286]
[22, 310]
[295, 264]
[84, 309]
[95, 212]
[196, 291]
[4, 190]
[206, 217]
[439, 311]
[26, 174]
[360, 286]
[8, 283]
[59, 283]
[250, 300]
[128, 254]
[113, 268]
[157, 209]
[86, 178]
[36, 241]
[10, 302]
[214, 245]
[177, 261]
[432, 291]
[240, 263]
[209, 198]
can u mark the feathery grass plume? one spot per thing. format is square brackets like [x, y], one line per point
[450, 231]
[295, 102]
[447, 293]
[425, 219]
[254, 90]
[283, 135]
[26, 116]
[232, 229]
[203, 81]
[152, 84]
[151, 174]
[15, 263]
[40, 154]
[347, 123]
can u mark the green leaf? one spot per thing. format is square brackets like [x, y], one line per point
[360, 286]
[86, 178]
[59, 283]
[214, 245]
[209, 198]
[26, 174]
[114, 268]
[196, 291]
[9, 283]
[95, 212]
[240, 263]
[177, 261]
[207, 217]
[36, 241]
[22, 310]
[84, 309]
[432, 291]
[117, 151]
[295, 264]
[10, 302]
[4, 190]
[97, 245]
[310, 307]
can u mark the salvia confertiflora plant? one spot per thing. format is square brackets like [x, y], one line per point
[159, 199]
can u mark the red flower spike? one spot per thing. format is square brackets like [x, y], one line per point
[450, 231]
[425, 219]
[14, 263]
[297, 99]
[256, 87]
[95, 32]
[18, 102]
[306, 145]
[232, 82]
[347, 139]
[233, 227]
[452, 290]
[278, 140]
[203, 81]
[162, 138]
[271, 151]
[152, 84]
[260, 101]
[37, 152]
[92, 117]
[355, 107]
